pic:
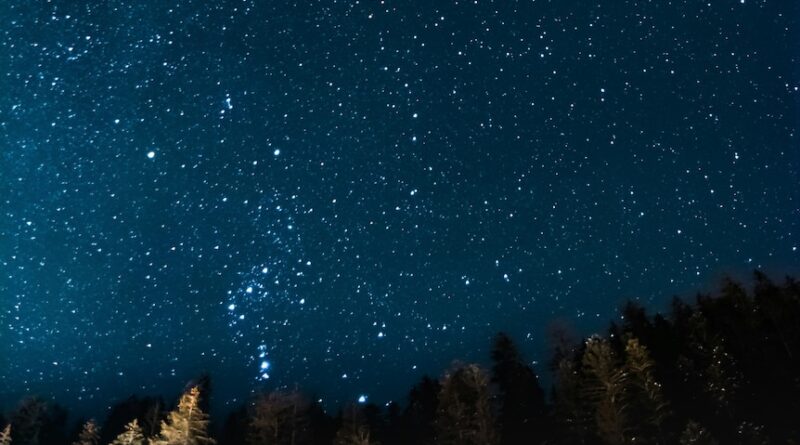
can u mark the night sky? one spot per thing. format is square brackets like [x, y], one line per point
[347, 195]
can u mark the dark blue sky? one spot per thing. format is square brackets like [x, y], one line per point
[351, 194]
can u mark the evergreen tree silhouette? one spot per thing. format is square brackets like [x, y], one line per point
[694, 434]
[354, 429]
[522, 408]
[279, 418]
[418, 418]
[35, 422]
[464, 414]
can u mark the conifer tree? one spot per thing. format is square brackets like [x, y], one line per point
[5, 435]
[28, 420]
[604, 387]
[353, 430]
[187, 425]
[464, 415]
[574, 418]
[522, 403]
[131, 436]
[279, 418]
[644, 392]
[89, 435]
[695, 434]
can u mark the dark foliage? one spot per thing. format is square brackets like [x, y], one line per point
[724, 369]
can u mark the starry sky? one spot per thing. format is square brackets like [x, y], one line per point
[349, 194]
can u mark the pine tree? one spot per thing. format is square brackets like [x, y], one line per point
[187, 425]
[694, 434]
[522, 404]
[464, 415]
[5, 435]
[131, 436]
[604, 386]
[353, 430]
[28, 420]
[279, 418]
[89, 435]
[574, 417]
[644, 391]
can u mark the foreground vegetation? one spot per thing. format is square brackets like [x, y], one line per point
[724, 369]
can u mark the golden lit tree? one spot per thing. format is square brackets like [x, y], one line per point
[645, 393]
[604, 386]
[89, 435]
[5, 435]
[131, 436]
[187, 425]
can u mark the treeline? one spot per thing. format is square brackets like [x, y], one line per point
[724, 369]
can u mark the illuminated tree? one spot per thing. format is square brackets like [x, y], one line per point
[5, 435]
[187, 425]
[131, 436]
[89, 435]
[648, 406]
[604, 387]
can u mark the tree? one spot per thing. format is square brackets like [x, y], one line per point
[36, 422]
[604, 387]
[89, 435]
[694, 434]
[522, 405]
[5, 435]
[648, 406]
[153, 418]
[131, 436]
[279, 418]
[464, 415]
[417, 422]
[187, 425]
[145, 409]
[354, 429]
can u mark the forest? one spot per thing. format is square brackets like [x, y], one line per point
[721, 369]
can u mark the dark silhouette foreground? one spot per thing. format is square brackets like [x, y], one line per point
[724, 370]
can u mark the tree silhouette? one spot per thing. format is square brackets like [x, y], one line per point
[418, 418]
[354, 429]
[723, 369]
[522, 410]
[279, 418]
[464, 415]
[694, 434]
[36, 422]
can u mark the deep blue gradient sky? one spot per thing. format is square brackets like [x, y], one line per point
[355, 193]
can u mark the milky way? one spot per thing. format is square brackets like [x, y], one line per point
[347, 195]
